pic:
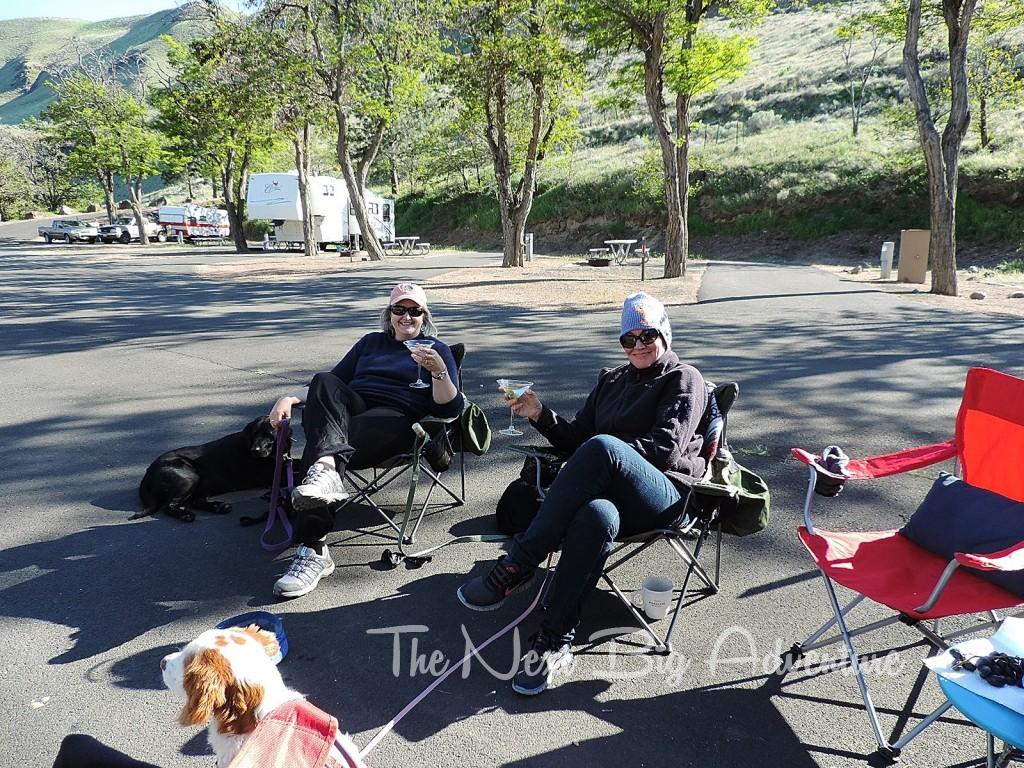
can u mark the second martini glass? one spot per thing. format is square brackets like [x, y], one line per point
[513, 388]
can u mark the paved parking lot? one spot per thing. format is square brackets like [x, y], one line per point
[108, 362]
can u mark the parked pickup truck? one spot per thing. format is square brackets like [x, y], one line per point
[124, 230]
[69, 230]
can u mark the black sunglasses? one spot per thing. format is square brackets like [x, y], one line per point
[398, 310]
[648, 337]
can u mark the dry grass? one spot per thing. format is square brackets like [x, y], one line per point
[996, 288]
[555, 283]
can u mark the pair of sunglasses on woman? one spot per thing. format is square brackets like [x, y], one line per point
[398, 311]
[648, 337]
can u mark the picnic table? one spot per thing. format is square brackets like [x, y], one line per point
[407, 244]
[620, 249]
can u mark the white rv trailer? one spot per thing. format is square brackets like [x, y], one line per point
[275, 197]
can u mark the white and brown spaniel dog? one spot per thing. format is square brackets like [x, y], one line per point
[227, 679]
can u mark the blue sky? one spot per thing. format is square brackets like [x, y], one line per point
[93, 10]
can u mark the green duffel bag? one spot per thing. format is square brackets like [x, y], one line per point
[742, 495]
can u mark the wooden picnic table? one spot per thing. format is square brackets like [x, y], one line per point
[407, 244]
[620, 249]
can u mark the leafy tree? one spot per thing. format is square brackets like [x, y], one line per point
[992, 73]
[15, 189]
[81, 119]
[515, 76]
[941, 150]
[219, 110]
[370, 61]
[860, 27]
[678, 60]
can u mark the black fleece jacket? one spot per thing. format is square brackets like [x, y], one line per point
[657, 411]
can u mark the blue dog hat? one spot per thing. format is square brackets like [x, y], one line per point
[264, 620]
[641, 310]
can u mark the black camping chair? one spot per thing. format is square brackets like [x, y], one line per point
[704, 517]
[370, 482]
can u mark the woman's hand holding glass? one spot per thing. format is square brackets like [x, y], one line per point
[527, 404]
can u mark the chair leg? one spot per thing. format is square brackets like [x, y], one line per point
[891, 750]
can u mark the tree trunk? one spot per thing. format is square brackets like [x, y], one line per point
[235, 207]
[355, 189]
[654, 95]
[394, 176]
[942, 154]
[107, 184]
[134, 197]
[983, 122]
[513, 227]
[302, 162]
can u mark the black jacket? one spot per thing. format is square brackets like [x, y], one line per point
[657, 411]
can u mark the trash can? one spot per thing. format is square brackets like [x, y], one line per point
[886, 260]
[913, 267]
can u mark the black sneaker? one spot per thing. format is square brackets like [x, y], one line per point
[545, 657]
[486, 593]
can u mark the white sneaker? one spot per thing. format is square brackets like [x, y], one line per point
[322, 486]
[304, 573]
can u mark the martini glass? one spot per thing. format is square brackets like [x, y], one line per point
[515, 388]
[412, 344]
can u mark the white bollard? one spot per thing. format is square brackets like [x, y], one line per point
[528, 245]
[887, 249]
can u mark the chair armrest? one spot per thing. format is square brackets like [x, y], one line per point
[439, 419]
[886, 464]
[1009, 559]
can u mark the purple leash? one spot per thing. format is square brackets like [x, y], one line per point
[277, 499]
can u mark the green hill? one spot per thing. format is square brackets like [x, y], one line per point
[30, 49]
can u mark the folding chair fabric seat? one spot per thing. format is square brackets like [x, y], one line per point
[892, 570]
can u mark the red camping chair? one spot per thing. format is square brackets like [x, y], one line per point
[890, 569]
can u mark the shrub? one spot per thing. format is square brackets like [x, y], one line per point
[255, 229]
[760, 121]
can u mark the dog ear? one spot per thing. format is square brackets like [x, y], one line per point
[238, 715]
[207, 676]
[267, 639]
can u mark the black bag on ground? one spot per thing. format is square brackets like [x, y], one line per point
[517, 507]
[520, 501]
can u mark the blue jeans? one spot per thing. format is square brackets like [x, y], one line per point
[604, 490]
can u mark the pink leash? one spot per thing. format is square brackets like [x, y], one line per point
[455, 668]
[277, 501]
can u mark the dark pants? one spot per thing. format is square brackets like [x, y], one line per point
[79, 751]
[337, 423]
[604, 490]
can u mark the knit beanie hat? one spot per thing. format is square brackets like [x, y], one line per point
[641, 310]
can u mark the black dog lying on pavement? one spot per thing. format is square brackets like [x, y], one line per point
[182, 480]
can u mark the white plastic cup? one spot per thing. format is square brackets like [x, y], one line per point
[656, 596]
[887, 250]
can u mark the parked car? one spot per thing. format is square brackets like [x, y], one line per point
[69, 230]
[124, 230]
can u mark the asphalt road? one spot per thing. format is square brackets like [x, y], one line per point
[110, 360]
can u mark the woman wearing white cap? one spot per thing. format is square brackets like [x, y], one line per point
[360, 414]
[635, 448]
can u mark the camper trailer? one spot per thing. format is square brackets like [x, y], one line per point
[275, 197]
[194, 222]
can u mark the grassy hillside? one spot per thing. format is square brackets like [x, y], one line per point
[29, 48]
[772, 153]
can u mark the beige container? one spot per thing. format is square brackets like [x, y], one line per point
[913, 267]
